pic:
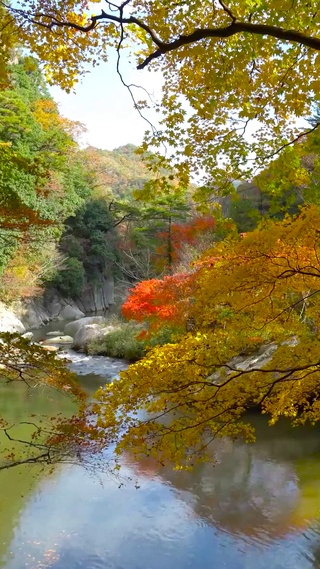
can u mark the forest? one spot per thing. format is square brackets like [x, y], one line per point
[213, 243]
[183, 432]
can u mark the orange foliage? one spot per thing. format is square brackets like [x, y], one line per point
[22, 218]
[46, 113]
[160, 300]
[181, 234]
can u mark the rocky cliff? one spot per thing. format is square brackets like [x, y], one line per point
[32, 313]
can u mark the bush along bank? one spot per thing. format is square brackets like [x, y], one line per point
[129, 341]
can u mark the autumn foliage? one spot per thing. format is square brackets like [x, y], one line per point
[227, 67]
[261, 289]
[160, 300]
[173, 241]
[234, 65]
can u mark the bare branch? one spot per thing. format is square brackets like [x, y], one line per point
[44, 457]
[227, 10]
[290, 143]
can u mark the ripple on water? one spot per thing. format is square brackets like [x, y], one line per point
[83, 560]
[83, 364]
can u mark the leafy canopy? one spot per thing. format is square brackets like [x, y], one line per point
[91, 246]
[42, 178]
[226, 65]
[259, 292]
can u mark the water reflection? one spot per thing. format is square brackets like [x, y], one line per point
[261, 491]
[258, 507]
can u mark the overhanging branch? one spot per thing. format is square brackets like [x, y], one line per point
[50, 21]
[233, 29]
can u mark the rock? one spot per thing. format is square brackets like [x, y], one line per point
[72, 328]
[54, 333]
[246, 363]
[257, 360]
[98, 297]
[35, 312]
[59, 340]
[31, 312]
[9, 322]
[50, 348]
[27, 335]
[70, 313]
[86, 334]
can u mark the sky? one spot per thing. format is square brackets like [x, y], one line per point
[105, 107]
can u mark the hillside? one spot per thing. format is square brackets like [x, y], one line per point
[116, 172]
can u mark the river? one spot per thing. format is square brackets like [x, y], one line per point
[257, 507]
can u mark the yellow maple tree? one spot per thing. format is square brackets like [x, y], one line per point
[238, 76]
[231, 68]
[256, 293]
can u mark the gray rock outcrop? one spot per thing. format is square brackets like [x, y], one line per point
[98, 297]
[86, 334]
[72, 328]
[34, 312]
[9, 321]
[246, 363]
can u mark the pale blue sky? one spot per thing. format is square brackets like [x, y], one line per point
[104, 105]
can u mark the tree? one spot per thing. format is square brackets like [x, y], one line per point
[147, 231]
[235, 86]
[115, 174]
[42, 180]
[42, 183]
[180, 236]
[90, 244]
[259, 290]
[160, 301]
[235, 63]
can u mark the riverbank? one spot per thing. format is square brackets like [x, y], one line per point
[32, 313]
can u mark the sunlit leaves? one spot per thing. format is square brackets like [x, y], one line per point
[254, 307]
[231, 100]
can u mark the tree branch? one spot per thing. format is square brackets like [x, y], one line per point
[44, 457]
[290, 143]
[51, 21]
[231, 30]
[227, 10]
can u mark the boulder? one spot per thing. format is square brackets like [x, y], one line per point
[50, 348]
[54, 333]
[69, 312]
[27, 335]
[72, 328]
[9, 322]
[245, 363]
[257, 360]
[86, 334]
[59, 340]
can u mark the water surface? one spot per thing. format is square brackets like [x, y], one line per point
[257, 507]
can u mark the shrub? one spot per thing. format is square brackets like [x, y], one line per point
[120, 343]
[128, 342]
